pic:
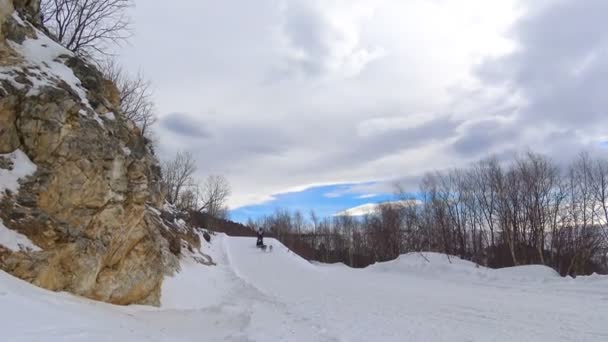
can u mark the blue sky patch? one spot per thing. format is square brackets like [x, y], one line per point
[325, 200]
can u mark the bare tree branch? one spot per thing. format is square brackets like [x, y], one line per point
[87, 27]
[177, 175]
[136, 98]
[214, 195]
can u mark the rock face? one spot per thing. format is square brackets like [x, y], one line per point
[90, 204]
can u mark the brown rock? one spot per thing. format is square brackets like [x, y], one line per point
[9, 140]
[88, 206]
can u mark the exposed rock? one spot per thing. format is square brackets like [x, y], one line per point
[29, 9]
[89, 206]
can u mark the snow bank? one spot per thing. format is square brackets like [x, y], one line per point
[197, 285]
[435, 265]
[429, 264]
[526, 273]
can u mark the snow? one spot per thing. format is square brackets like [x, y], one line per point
[277, 296]
[18, 19]
[126, 151]
[9, 180]
[22, 167]
[42, 57]
[14, 240]
[99, 121]
[44, 61]
[208, 282]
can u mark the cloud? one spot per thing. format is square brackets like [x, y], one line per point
[359, 191]
[548, 91]
[560, 66]
[332, 195]
[321, 39]
[280, 95]
[485, 136]
[183, 125]
[374, 208]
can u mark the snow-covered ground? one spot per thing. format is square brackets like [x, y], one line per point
[256, 296]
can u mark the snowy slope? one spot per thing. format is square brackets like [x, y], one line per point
[412, 299]
[256, 296]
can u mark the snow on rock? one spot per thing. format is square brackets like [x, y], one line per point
[18, 19]
[14, 240]
[126, 151]
[43, 58]
[21, 167]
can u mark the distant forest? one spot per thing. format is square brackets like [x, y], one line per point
[525, 211]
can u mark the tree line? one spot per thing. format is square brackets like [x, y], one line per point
[528, 210]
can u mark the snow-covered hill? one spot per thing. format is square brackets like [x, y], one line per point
[254, 296]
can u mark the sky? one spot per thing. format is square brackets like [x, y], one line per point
[325, 104]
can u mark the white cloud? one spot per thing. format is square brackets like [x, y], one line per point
[374, 208]
[284, 94]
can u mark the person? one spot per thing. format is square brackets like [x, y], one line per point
[260, 242]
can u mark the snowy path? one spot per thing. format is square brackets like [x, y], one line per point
[372, 304]
[255, 296]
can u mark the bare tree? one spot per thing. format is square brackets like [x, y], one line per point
[600, 191]
[87, 27]
[177, 175]
[136, 102]
[214, 194]
[528, 211]
[187, 200]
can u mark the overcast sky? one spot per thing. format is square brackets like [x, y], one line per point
[283, 95]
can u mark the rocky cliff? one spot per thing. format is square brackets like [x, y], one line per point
[78, 183]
